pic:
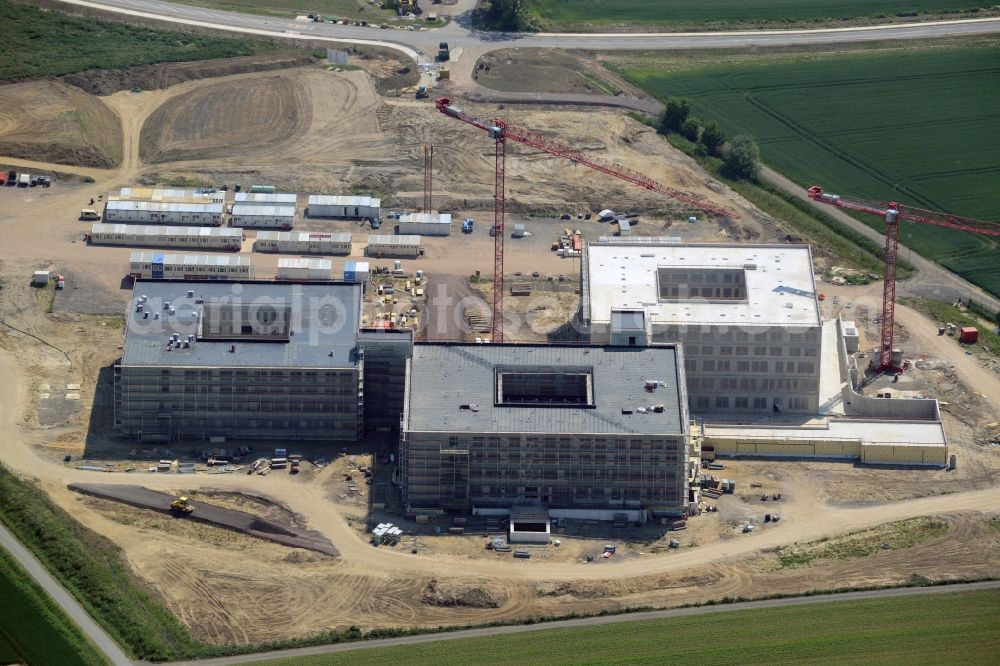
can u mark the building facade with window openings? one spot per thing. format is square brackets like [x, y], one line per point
[747, 317]
[561, 426]
[241, 360]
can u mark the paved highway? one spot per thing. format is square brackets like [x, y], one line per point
[586, 622]
[458, 33]
[74, 610]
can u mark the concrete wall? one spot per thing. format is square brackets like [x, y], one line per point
[888, 454]
[750, 369]
[798, 448]
[917, 409]
[845, 449]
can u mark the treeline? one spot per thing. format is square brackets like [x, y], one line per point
[740, 155]
[504, 15]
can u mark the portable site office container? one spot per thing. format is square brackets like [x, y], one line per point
[393, 246]
[195, 238]
[169, 194]
[265, 199]
[425, 224]
[356, 271]
[301, 269]
[249, 215]
[190, 266]
[302, 242]
[351, 207]
[157, 212]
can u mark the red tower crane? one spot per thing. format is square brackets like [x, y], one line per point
[892, 213]
[500, 131]
[428, 176]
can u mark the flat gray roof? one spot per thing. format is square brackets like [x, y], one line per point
[446, 376]
[324, 318]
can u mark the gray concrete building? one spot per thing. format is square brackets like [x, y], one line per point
[581, 427]
[240, 360]
[746, 315]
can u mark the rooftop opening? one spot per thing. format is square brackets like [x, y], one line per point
[261, 322]
[701, 284]
[569, 386]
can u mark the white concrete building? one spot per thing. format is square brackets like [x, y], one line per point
[254, 215]
[350, 207]
[160, 212]
[302, 242]
[382, 245]
[747, 315]
[192, 238]
[425, 224]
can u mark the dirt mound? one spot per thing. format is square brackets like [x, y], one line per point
[49, 121]
[451, 593]
[164, 75]
[208, 513]
[237, 115]
[303, 557]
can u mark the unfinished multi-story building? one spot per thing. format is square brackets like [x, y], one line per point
[243, 360]
[580, 427]
[746, 315]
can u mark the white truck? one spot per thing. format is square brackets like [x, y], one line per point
[23, 180]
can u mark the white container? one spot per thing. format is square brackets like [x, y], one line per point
[301, 269]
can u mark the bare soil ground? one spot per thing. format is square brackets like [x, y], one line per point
[238, 116]
[52, 122]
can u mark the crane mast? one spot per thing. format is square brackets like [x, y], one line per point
[500, 131]
[892, 213]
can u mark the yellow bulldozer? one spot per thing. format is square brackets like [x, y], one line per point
[180, 505]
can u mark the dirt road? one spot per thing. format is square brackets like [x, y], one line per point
[312, 503]
[922, 338]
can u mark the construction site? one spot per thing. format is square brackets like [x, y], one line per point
[380, 416]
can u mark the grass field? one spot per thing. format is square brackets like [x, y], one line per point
[36, 43]
[936, 629]
[920, 126]
[33, 630]
[92, 569]
[584, 14]
[328, 8]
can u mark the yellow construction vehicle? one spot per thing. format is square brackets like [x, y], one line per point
[180, 505]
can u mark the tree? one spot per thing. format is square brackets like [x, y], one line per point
[674, 114]
[742, 159]
[505, 15]
[713, 137]
[691, 129]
